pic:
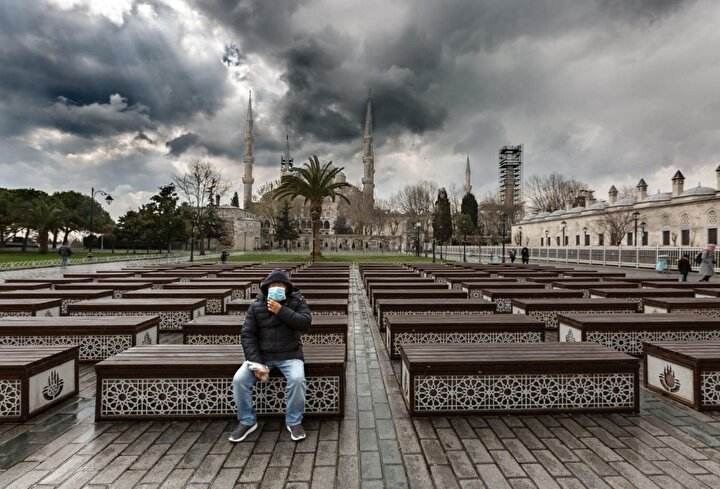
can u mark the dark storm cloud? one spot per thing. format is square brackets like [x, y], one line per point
[48, 53]
[182, 143]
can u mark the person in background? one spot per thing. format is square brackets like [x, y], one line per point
[512, 256]
[270, 338]
[64, 251]
[525, 255]
[224, 256]
[707, 264]
[683, 266]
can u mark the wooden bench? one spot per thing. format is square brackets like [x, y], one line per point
[503, 297]
[548, 310]
[25, 286]
[241, 289]
[51, 281]
[155, 282]
[674, 305]
[686, 371]
[330, 293]
[524, 276]
[216, 299]
[431, 307]
[96, 275]
[446, 293]
[593, 273]
[549, 281]
[626, 333]
[480, 328]
[118, 289]
[181, 275]
[706, 293]
[502, 378]
[192, 381]
[318, 307]
[98, 337]
[638, 295]
[225, 330]
[585, 287]
[173, 313]
[443, 276]
[35, 378]
[66, 296]
[403, 286]
[30, 307]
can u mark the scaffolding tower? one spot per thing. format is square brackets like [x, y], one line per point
[511, 176]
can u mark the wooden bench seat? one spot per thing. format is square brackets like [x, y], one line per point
[591, 284]
[155, 282]
[431, 307]
[638, 295]
[25, 286]
[640, 280]
[98, 337]
[503, 297]
[547, 310]
[318, 307]
[322, 293]
[686, 371]
[653, 284]
[118, 289]
[627, 332]
[52, 281]
[681, 305]
[216, 299]
[593, 273]
[524, 276]
[238, 290]
[706, 293]
[225, 330]
[414, 294]
[182, 275]
[30, 307]
[404, 286]
[173, 313]
[35, 378]
[66, 296]
[193, 381]
[443, 277]
[548, 281]
[479, 328]
[502, 378]
[96, 275]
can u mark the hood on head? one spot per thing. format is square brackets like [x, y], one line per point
[276, 275]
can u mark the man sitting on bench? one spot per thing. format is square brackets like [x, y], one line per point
[270, 338]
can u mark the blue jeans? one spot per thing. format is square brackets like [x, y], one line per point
[63, 261]
[683, 277]
[244, 382]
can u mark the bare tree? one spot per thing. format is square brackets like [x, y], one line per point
[199, 186]
[550, 192]
[614, 224]
[627, 191]
[358, 210]
[416, 200]
[491, 210]
[455, 194]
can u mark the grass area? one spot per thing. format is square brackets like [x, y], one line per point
[295, 257]
[51, 256]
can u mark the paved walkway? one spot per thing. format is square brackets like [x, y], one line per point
[375, 445]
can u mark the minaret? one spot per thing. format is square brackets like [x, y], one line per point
[468, 187]
[368, 158]
[248, 158]
[286, 162]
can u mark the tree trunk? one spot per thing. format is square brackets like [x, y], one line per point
[43, 239]
[315, 213]
[25, 240]
[66, 231]
[55, 238]
[201, 245]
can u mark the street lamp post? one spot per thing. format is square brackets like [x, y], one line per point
[547, 238]
[563, 224]
[108, 199]
[520, 235]
[417, 242]
[504, 230]
[585, 236]
[642, 228]
[636, 215]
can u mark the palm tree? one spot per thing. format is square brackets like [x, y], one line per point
[43, 216]
[314, 182]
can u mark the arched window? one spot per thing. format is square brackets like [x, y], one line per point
[712, 217]
[666, 220]
[684, 230]
[684, 221]
[327, 224]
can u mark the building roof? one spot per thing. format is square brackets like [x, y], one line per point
[698, 191]
[576, 210]
[599, 205]
[658, 197]
[558, 212]
[625, 201]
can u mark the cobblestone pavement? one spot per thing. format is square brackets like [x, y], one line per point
[376, 445]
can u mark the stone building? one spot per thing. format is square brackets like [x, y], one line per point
[679, 217]
[245, 228]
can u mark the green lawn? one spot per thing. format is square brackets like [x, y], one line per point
[294, 257]
[15, 256]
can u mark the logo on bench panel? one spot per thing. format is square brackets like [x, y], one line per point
[569, 337]
[668, 379]
[54, 386]
[146, 339]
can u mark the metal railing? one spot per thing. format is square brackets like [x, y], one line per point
[156, 258]
[619, 256]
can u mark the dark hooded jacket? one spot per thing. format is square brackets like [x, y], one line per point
[266, 336]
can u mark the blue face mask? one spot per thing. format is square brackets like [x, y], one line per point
[276, 293]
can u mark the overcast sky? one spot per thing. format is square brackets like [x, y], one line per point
[122, 94]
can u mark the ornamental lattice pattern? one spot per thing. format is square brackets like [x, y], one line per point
[210, 396]
[323, 339]
[503, 306]
[4, 314]
[710, 388]
[457, 286]
[434, 312]
[631, 341]
[214, 306]
[234, 339]
[10, 398]
[457, 337]
[92, 347]
[64, 305]
[237, 294]
[523, 392]
[169, 320]
[550, 317]
[712, 312]
[475, 294]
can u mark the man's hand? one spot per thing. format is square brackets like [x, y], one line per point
[273, 306]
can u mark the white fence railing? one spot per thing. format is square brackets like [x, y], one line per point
[129, 258]
[619, 256]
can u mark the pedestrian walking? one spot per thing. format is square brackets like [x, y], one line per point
[511, 253]
[707, 264]
[270, 338]
[224, 256]
[684, 267]
[64, 251]
[525, 255]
